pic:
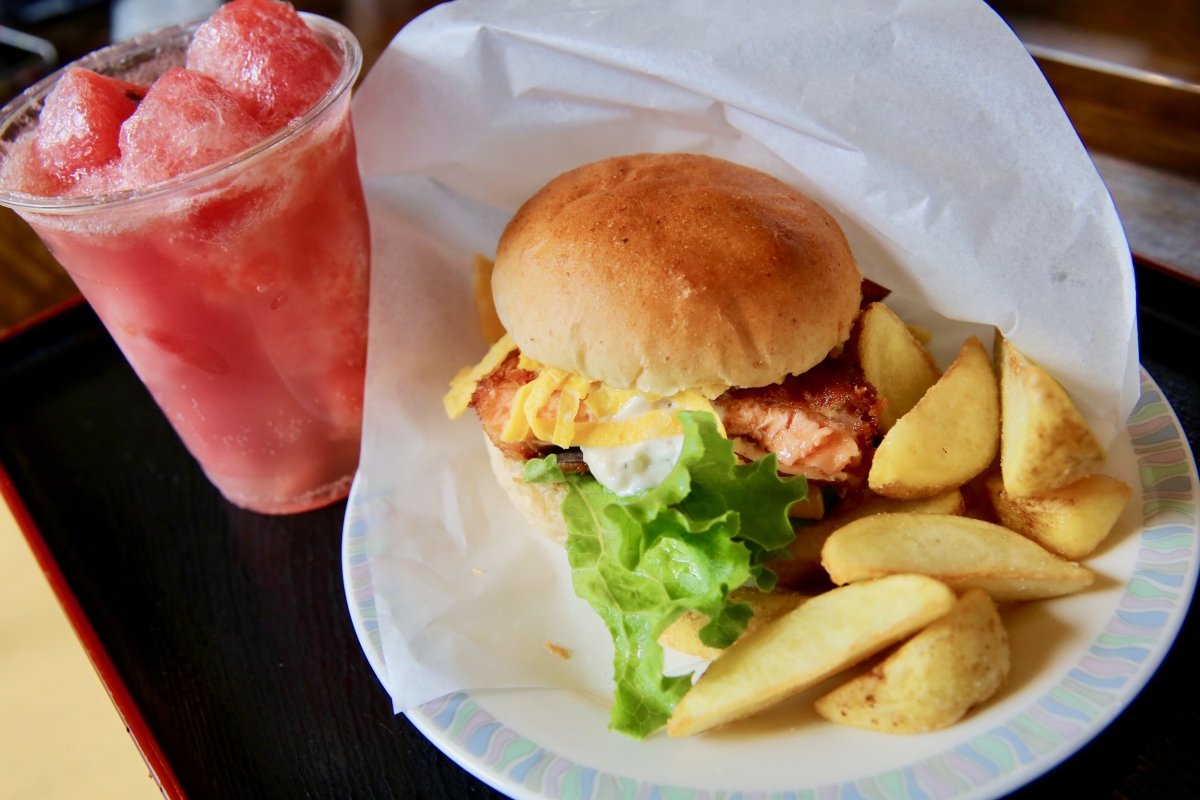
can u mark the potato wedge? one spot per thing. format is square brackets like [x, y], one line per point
[1045, 442]
[812, 507]
[806, 547]
[825, 635]
[921, 333]
[949, 437]
[961, 552]
[485, 305]
[933, 679]
[1071, 520]
[684, 633]
[894, 362]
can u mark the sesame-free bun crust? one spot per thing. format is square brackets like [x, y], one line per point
[539, 503]
[670, 272]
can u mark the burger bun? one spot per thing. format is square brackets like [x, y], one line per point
[671, 272]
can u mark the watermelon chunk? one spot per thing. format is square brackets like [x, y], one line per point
[186, 122]
[21, 171]
[267, 57]
[79, 128]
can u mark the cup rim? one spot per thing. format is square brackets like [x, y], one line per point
[21, 201]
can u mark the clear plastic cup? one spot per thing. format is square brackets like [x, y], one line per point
[237, 292]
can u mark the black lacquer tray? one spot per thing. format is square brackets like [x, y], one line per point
[224, 637]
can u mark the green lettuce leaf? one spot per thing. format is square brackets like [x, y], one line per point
[544, 470]
[641, 562]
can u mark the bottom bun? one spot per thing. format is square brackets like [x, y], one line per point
[540, 503]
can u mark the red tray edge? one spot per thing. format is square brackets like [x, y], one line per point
[41, 316]
[143, 738]
[134, 722]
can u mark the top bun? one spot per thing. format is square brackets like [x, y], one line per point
[671, 272]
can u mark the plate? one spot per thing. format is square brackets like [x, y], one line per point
[1077, 663]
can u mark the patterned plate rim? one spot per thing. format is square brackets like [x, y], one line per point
[1117, 664]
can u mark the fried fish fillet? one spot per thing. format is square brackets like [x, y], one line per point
[821, 424]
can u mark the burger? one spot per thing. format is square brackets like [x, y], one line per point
[679, 281]
[670, 384]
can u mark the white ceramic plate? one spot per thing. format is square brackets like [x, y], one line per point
[1077, 662]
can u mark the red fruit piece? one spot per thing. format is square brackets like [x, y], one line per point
[267, 57]
[21, 171]
[80, 124]
[186, 121]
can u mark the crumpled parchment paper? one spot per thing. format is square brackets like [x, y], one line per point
[923, 126]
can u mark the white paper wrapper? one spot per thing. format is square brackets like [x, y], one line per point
[923, 126]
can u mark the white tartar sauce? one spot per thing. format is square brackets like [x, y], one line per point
[634, 468]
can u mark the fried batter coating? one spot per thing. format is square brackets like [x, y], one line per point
[821, 424]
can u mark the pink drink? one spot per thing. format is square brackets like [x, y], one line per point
[238, 292]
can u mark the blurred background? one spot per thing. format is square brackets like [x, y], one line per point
[1126, 71]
